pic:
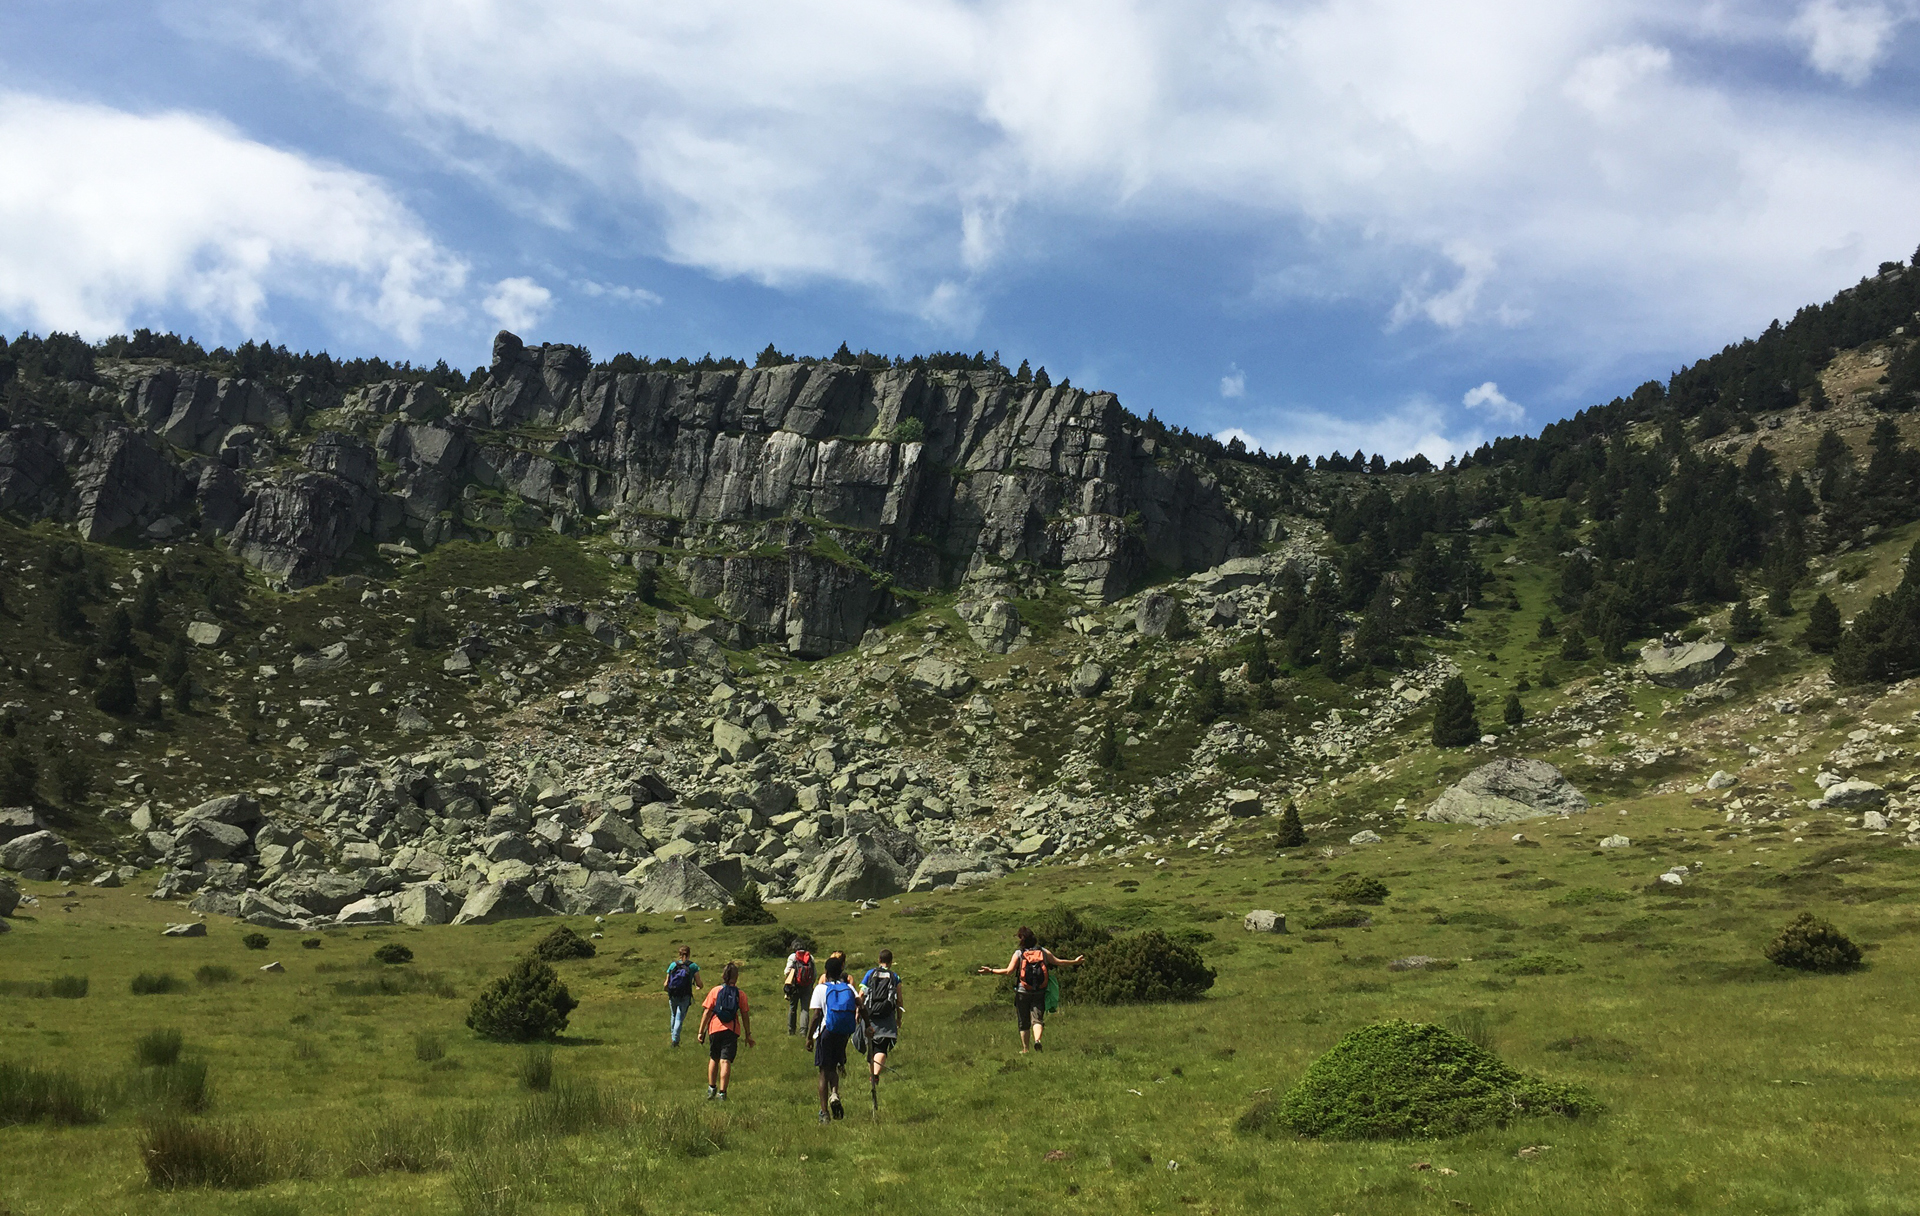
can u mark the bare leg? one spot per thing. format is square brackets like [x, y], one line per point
[726, 1071]
[826, 1088]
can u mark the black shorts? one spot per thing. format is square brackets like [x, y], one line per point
[830, 1050]
[722, 1044]
[1030, 1008]
[882, 1046]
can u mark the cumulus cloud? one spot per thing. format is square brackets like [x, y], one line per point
[1498, 162]
[1844, 40]
[107, 217]
[1489, 400]
[1233, 384]
[518, 303]
[1416, 425]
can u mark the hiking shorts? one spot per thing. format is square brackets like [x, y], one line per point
[830, 1050]
[1030, 1008]
[880, 1045]
[722, 1044]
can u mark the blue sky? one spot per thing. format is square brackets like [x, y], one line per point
[1384, 224]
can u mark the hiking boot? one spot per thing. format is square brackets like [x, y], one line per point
[1036, 1044]
[839, 1111]
[823, 1118]
[723, 1095]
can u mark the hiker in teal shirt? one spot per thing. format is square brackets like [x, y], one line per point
[683, 980]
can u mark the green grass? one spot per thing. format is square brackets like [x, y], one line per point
[326, 1093]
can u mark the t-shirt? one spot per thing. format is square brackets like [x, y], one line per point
[819, 999]
[889, 1026]
[708, 1024]
[692, 979]
[793, 960]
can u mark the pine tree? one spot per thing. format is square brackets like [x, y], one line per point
[19, 771]
[1454, 722]
[1822, 633]
[116, 637]
[1514, 713]
[1331, 659]
[1547, 628]
[116, 693]
[146, 605]
[1209, 697]
[1106, 749]
[68, 620]
[183, 693]
[1259, 663]
[1744, 624]
[1573, 646]
[174, 668]
[1292, 835]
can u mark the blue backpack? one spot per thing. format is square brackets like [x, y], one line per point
[840, 1007]
[726, 1005]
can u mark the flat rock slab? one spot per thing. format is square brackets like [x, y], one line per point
[1507, 790]
[1264, 920]
[190, 929]
[1687, 665]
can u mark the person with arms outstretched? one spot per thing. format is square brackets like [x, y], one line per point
[1031, 966]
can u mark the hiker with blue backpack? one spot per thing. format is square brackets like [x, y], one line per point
[880, 1012]
[683, 980]
[724, 1020]
[1032, 968]
[832, 1013]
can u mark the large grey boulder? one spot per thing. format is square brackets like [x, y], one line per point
[207, 840]
[997, 627]
[1686, 665]
[427, 903]
[371, 910]
[734, 743]
[1506, 791]
[320, 894]
[1848, 794]
[18, 821]
[9, 896]
[858, 867]
[946, 869]
[498, 901]
[602, 894]
[1159, 615]
[240, 810]
[941, 678]
[35, 851]
[1265, 920]
[414, 863]
[676, 884]
[1088, 680]
[259, 908]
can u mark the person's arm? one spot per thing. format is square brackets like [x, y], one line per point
[746, 1020]
[697, 985]
[1006, 970]
[1065, 962]
[702, 1036]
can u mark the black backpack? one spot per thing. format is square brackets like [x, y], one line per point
[680, 980]
[883, 995]
[726, 1005]
[1033, 970]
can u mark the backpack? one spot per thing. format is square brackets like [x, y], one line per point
[1033, 970]
[883, 994]
[726, 1005]
[680, 981]
[840, 1005]
[802, 969]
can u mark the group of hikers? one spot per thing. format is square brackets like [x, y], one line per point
[839, 1012]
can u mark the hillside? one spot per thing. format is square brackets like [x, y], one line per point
[359, 651]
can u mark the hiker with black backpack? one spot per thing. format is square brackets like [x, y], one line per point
[683, 980]
[724, 1020]
[880, 1009]
[797, 982]
[832, 1013]
[1031, 966]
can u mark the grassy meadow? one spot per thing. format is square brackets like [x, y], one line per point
[345, 1085]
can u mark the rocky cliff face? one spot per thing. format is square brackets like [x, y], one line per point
[785, 494]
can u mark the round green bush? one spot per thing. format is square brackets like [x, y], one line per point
[393, 952]
[1359, 889]
[563, 943]
[746, 908]
[1410, 1079]
[256, 941]
[527, 1003]
[1143, 968]
[1810, 944]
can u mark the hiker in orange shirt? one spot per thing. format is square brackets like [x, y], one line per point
[723, 1021]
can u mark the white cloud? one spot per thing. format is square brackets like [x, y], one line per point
[1417, 425]
[1487, 162]
[1489, 400]
[517, 303]
[1844, 40]
[1234, 383]
[108, 217]
[615, 291]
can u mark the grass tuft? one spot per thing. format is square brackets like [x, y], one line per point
[158, 1048]
[30, 1094]
[149, 984]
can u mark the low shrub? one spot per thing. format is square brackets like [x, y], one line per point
[428, 1046]
[536, 1069]
[179, 1085]
[1811, 944]
[747, 908]
[527, 1003]
[214, 973]
[158, 1047]
[1580, 897]
[393, 953]
[397, 983]
[1145, 967]
[1069, 935]
[1359, 889]
[149, 984]
[562, 944]
[777, 943]
[256, 941]
[1401, 1079]
[309, 943]
[1538, 964]
[30, 1094]
[1603, 1049]
[180, 1152]
[67, 987]
[1337, 918]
